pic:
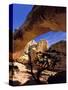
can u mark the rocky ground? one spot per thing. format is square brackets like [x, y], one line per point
[22, 75]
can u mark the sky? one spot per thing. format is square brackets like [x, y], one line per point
[52, 37]
[20, 12]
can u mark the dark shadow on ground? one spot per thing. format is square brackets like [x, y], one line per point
[14, 83]
[58, 78]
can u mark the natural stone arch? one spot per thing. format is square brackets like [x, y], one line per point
[40, 20]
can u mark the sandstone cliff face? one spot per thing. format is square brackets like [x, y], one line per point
[60, 47]
[42, 46]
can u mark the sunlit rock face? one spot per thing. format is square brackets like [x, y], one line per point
[30, 43]
[42, 46]
[24, 56]
[20, 76]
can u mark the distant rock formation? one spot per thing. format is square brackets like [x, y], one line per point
[41, 46]
[60, 47]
